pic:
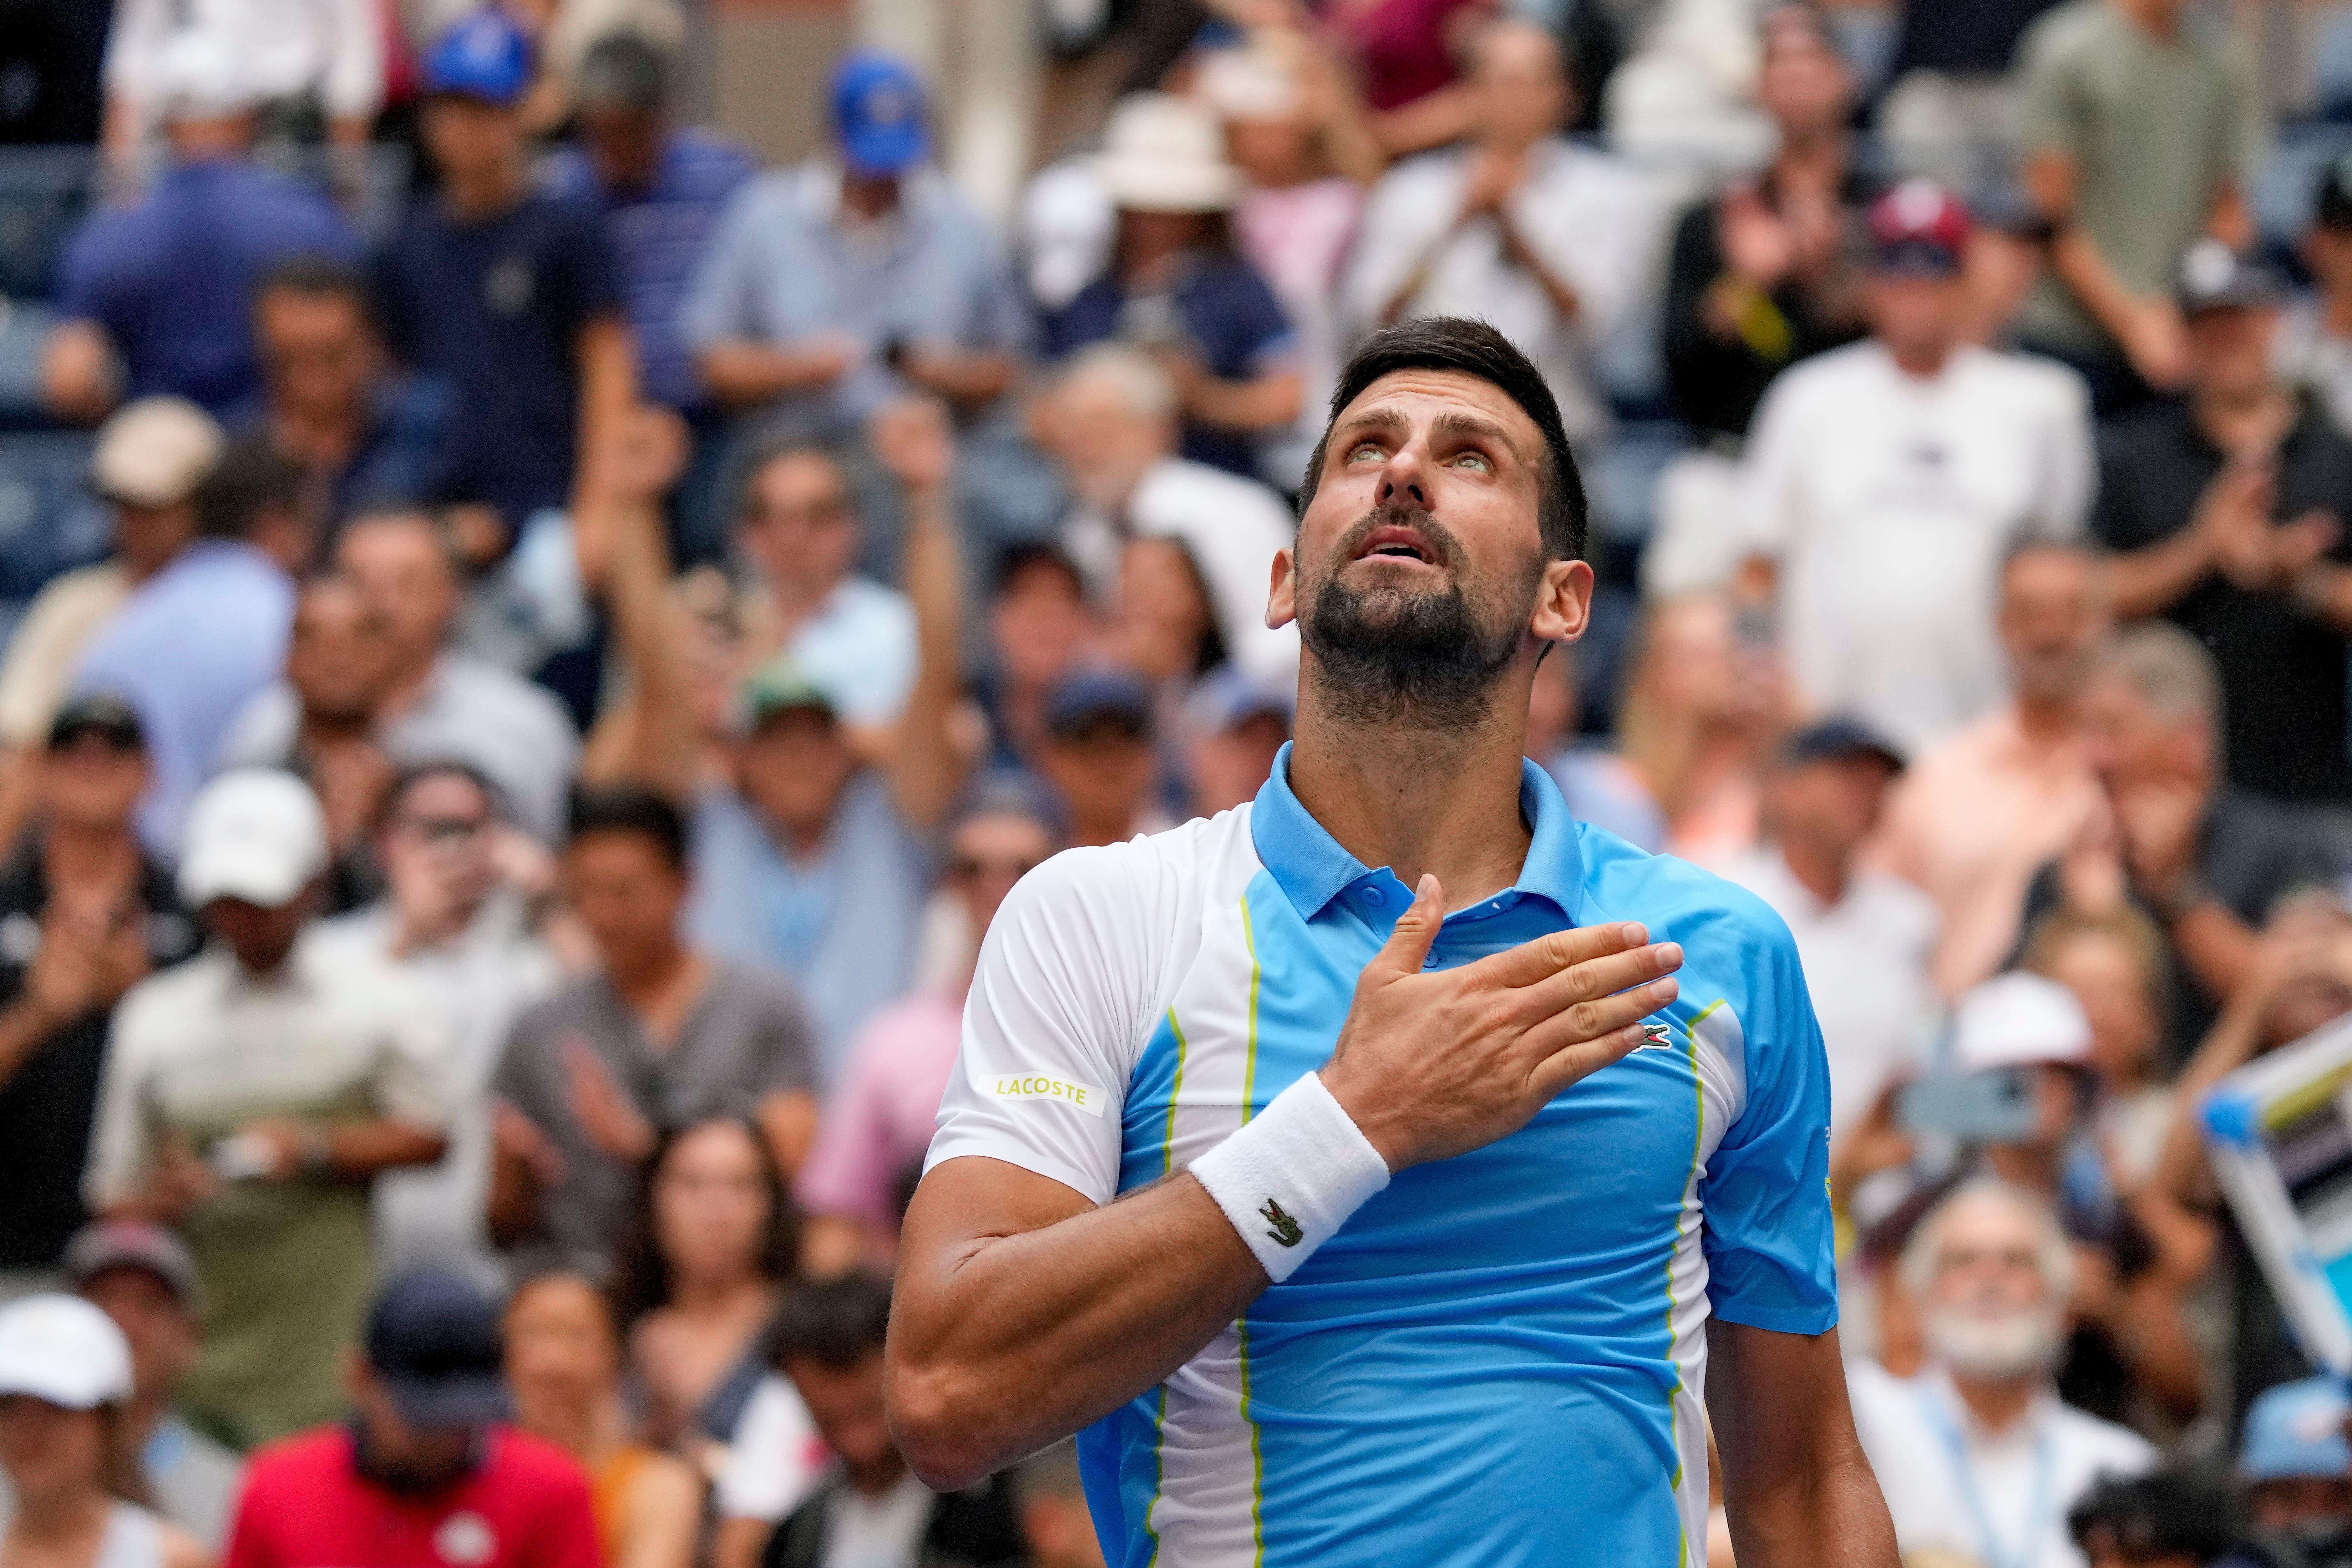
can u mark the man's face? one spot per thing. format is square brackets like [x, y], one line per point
[797, 525]
[90, 782]
[436, 845]
[1914, 316]
[1988, 1310]
[2230, 351]
[46, 1448]
[1517, 91]
[1105, 769]
[1039, 625]
[624, 145]
[161, 1332]
[406, 579]
[2301, 1503]
[987, 855]
[2128, 743]
[1803, 84]
[472, 140]
[147, 537]
[793, 767]
[626, 894]
[846, 1403]
[1420, 572]
[261, 936]
[2051, 616]
[1231, 766]
[1091, 426]
[408, 1459]
[2328, 253]
[317, 352]
[1831, 803]
[338, 661]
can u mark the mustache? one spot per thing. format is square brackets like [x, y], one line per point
[1439, 539]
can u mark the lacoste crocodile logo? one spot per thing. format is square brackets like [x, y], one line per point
[1656, 1038]
[1286, 1230]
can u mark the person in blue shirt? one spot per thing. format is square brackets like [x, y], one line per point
[164, 288]
[506, 294]
[1177, 284]
[1353, 1165]
[658, 191]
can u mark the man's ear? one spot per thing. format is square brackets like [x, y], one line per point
[1282, 597]
[1563, 603]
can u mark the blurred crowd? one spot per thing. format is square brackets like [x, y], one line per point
[497, 846]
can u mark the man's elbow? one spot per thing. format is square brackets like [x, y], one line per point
[939, 1425]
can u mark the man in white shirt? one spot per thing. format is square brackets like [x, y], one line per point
[1862, 936]
[1552, 243]
[289, 53]
[1886, 480]
[1976, 1454]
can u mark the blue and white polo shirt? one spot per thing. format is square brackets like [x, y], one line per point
[1500, 1359]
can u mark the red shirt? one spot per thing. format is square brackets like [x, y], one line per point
[306, 1505]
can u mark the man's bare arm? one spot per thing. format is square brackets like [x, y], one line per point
[1797, 1484]
[1023, 1312]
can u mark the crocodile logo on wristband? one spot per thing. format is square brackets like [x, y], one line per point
[1286, 1230]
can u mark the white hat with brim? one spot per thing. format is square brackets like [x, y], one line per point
[256, 834]
[154, 451]
[2020, 1019]
[64, 1352]
[1163, 155]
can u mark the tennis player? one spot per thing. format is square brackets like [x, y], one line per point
[1354, 1167]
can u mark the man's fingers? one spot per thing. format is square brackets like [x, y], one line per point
[1408, 945]
[1572, 1064]
[1554, 951]
[1580, 1022]
[1598, 977]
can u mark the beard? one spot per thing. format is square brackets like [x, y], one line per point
[2011, 1344]
[1424, 657]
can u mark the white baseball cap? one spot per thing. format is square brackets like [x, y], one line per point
[2018, 1020]
[255, 834]
[202, 75]
[62, 1350]
[154, 451]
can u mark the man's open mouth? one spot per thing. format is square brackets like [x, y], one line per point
[1396, 543]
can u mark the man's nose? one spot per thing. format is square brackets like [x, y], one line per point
[1405, 480]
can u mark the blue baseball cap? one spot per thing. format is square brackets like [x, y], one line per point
[433, 1342]
[1118, 698]
[2296, 1430]
[485, 57]
[878, 114]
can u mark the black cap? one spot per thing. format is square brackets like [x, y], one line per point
[97, 714]
[2333, 207]
[2215, 278]
[433, 1342]
[1837, 739]
[1114, 697]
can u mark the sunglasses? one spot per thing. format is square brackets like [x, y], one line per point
[446, 830]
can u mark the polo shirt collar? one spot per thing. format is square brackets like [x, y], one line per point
[1312, 868]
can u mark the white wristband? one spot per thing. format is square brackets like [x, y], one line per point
[1292, 1176]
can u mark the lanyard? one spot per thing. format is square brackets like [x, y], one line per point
[1963, 1481]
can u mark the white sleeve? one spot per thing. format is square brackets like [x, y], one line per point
[121, 1148]
[2074, 463]
[777, 1460]
[1072, 977]
[1766, 524]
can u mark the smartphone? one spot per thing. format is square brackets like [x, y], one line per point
[1996, 1106]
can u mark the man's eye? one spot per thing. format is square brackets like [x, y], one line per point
[1363, 450]
[1475, 459]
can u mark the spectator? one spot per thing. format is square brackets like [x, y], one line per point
[817, 862]
[659, 1035]
[1101, 755]
[83, 914]
[2296, 1469]
[1862, 936]
[563, 1363]
[1982, 809]
[1232, 727]
[1176, 288]
[832, 288]
[2315, 336]
[2139, 126]
[505, 294]
[362, 435]
[1404, 53]
[2115, 966]
[709, 1252]
[64, 1379]
[1110, 423]
[141, 1276]
[1296, 131]
[1702, 705]
[151, 456]
[2173, 1519]
[1165, 626]
[829, 1340]
[1765, 273]
[155, 298]
[1601, 790]
[438, 703]
[456, 922]
[205, 634]
[1976, 1454]
[1887, 480]
[870, 1144]
[250, 1096]
[1051, 1498]
[426, 1470]
[299, 63]
[2222, 508]
[2205, 860]
[1039, 630]
[1950, 112]
[797, 527]
[1550, 242]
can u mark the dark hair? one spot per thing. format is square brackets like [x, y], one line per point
[1038, 555]
[416, 773]
[1475, 349]
[630, 809]
[2177, 1511]
[641, 1281]
[251, 477]
[835, 1323]
[321, 277]
[624, 71]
